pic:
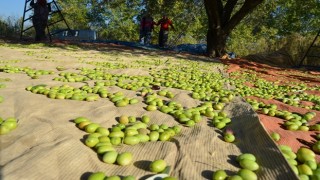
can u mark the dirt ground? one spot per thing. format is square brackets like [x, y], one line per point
[294, 139]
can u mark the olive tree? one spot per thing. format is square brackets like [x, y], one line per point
[223, 17]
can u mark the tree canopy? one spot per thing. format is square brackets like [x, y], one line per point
[259, 30]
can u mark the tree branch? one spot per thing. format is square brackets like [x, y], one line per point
[247, 7]
[227, 10]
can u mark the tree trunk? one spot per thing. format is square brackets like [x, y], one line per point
[216, 42]
[221, 23]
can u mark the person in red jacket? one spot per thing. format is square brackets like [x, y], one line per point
[164, 23]
[40, 18]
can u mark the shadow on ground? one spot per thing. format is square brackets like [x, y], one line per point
[116, 47]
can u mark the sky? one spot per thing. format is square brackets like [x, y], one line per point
[12, 8]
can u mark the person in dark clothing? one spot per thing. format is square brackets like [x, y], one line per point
[40, 18]
[141, 38]
[146, 28]
[164, 23]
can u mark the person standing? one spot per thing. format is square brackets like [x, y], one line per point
[146, 28]
[141, 38]
[40, 18]
[164, 23]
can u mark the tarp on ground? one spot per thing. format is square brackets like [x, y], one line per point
[47, 144]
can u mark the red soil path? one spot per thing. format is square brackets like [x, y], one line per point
[294, 139]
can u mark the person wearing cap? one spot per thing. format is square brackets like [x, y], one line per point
[164, 23]
[40, 18]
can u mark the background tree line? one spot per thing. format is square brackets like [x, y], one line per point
[271, 26]
[9, 27]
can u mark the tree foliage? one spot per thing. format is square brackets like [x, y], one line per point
[267, 29]
[261, 30]
[9, 26]
[119, 19]
[290, 16]
[75, 12]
